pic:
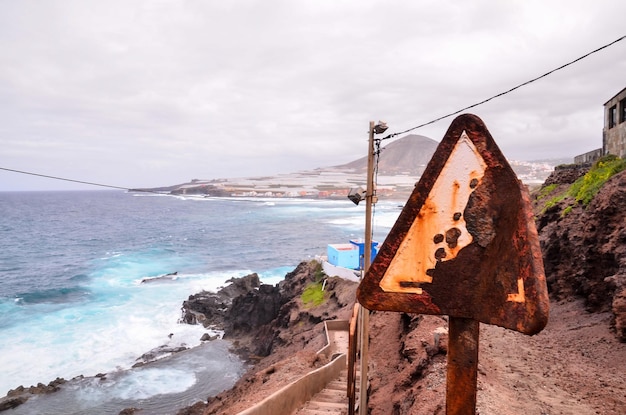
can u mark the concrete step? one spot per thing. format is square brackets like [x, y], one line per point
[328, 395]
[331, 400]
[312, 407]
[305, 411]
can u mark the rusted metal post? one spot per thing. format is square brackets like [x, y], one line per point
[465, 245]
[352, 352]
[462, 366]
[367, 259]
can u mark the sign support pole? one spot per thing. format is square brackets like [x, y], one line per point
[462, 371]
[465, 245]
[367, 259]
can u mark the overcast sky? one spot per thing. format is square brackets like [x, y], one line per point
[142, 93]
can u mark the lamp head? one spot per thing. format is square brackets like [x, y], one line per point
[381, 127]
[356, 194]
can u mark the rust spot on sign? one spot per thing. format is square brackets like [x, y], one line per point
[465, 243]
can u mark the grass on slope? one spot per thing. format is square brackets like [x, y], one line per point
[586, 187]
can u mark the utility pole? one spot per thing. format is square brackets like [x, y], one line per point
[370, 199]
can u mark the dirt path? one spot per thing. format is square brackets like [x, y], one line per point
[574, 366]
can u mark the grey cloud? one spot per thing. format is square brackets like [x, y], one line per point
[167, 91]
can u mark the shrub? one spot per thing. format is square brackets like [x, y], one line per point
[566, 210]
[545, 191]
[553, 202]
[586, 187]
[313, 294]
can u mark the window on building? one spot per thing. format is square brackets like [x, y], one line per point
[622, 114]
[612, 116]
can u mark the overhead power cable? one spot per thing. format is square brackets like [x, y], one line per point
[378, 140]
[505, 92]
[64, 179]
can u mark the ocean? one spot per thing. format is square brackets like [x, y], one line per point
[72, 301]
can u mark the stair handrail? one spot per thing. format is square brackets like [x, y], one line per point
[352, 352]
[292, 396]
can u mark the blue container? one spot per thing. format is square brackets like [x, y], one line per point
[361, 244]
[344, 255]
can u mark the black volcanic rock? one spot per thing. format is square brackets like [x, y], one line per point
[11, 402]
[209, 309]
[566, 174]
[258, 319]
[253, 309]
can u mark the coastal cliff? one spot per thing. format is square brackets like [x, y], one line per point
[574, 366]
[584, 243]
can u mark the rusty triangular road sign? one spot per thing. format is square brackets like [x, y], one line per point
[465, 244]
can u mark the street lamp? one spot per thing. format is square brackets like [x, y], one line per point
[370, 199]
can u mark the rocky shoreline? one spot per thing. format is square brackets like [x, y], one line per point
[245, 311]
[573, 366]
[275, 330]
[209, 309]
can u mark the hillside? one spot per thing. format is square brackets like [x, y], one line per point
[409, 155]
[583, 238]
[401, 164]
[574, 366]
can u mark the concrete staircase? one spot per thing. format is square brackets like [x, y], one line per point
[331, 400]
[323, 390]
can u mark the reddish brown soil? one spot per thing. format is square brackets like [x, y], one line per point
[575, 366]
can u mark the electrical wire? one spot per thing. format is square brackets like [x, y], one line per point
[377, 151]
[507, 91]
[378, 140]
[65, 179]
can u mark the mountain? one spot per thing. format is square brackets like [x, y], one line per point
[407, 156]
[400, 165]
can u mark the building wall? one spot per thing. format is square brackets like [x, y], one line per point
[589, 157]
[614, 132]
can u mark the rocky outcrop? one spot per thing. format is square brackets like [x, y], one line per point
[209, 309]
[255, 317]
[18, 396]
[275, 328]
[158, 353]
[584, 247]
[566, 174]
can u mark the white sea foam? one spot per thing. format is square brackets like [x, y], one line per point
[122, 321]
[151, 382]
[75, 304]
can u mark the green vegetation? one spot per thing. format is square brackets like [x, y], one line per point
[546, 191]
[313, 294]
[554, 201]
[566, 211]
[585, 188]
[320, 275]
[566, 166]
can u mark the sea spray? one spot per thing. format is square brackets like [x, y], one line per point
[72, 301]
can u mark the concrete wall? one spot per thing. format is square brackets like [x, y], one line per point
[294, 395]
[589, 157]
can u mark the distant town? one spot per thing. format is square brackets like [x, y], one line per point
[401, 164]
[331, 183]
